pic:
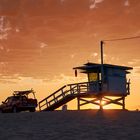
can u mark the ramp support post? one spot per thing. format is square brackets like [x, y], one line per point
[78, 103]
[101, 106]
[123, 106]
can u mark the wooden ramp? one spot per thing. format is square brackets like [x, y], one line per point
[64, 95]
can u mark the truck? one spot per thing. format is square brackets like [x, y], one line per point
[19, 101]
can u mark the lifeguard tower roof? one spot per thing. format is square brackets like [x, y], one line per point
[111, 79]
[94, 67]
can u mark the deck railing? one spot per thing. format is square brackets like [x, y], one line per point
[128, 88]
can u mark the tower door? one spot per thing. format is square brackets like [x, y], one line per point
[93, 79]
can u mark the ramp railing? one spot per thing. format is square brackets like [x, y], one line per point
[63, 92]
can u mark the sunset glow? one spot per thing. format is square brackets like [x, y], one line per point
[42, 40]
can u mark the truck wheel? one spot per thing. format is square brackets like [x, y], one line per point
[14, 110]
[32, 110]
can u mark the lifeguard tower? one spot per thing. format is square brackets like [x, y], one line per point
[104, 82]
[112, 83]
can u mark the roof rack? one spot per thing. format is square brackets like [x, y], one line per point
[26, 92]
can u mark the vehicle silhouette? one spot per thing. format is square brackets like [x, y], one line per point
[20, 101]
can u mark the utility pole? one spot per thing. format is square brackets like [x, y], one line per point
[102, 63]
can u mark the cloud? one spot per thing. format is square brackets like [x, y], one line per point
[6, 79]
[136, 69]
[7, 50]
[30, 81]
[95, 54]
[17, 30]
[98, 1]
[4, 28]
[92, 6]
[62, 1]
[126, 3]
[137, 33]
[43, 45]
[31, 30]
[72, 56]
[20, 80]
[136, 72]
[93, 3]
[134, 62]
[1, 47]
[64, 79]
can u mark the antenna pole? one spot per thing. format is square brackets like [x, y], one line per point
[102, 62]
[102, 57]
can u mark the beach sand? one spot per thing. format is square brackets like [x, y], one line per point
[71, 125]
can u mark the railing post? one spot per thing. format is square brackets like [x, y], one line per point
[46, 103]
[39, 107]
[123, 100]
[78, 103]
[100, 104]
[55, 99]
[78, 89]
[128, 88]
[87, 86]
[63, 93]
[71, 92]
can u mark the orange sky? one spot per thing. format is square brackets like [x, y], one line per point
[42, 40]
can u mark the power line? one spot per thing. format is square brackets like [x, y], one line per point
[121, 39]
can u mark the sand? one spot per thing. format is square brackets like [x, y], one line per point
[71, 125]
